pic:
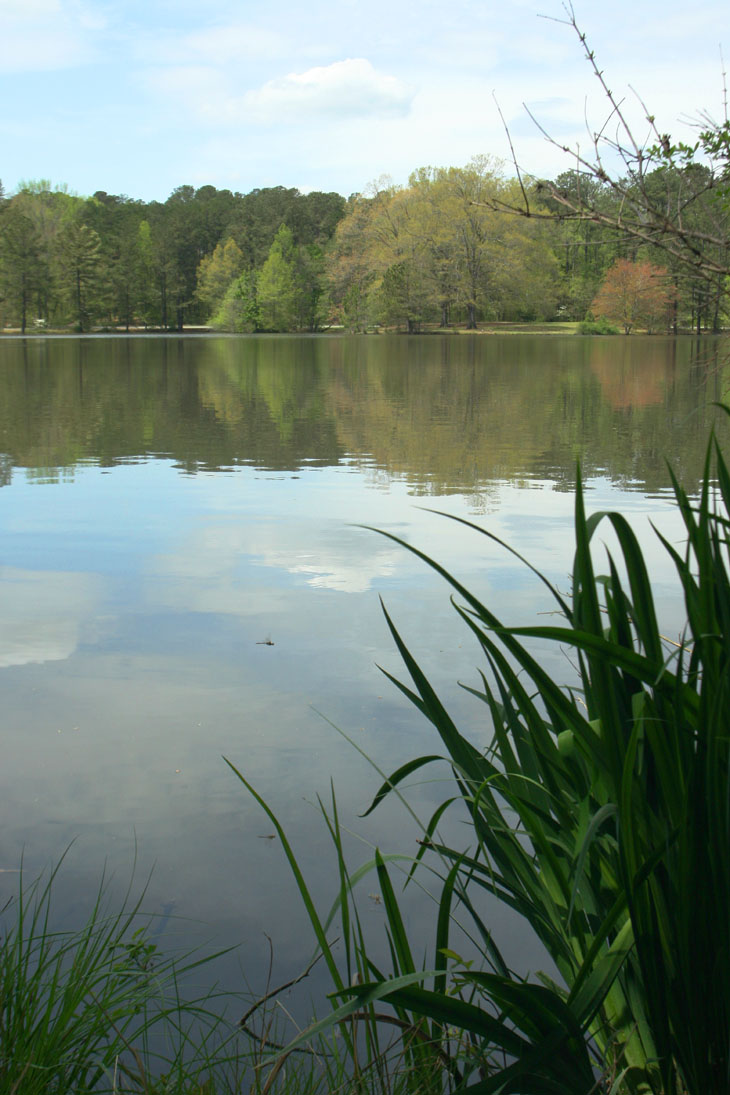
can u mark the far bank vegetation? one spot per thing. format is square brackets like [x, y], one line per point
[442, 252]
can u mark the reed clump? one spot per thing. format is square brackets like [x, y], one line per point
[599, 813]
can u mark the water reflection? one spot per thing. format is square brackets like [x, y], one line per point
[170, 503]
[450, 414]
[43, 614]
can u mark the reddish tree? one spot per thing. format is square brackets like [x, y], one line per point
[635, 294]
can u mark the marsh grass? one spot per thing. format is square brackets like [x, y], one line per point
[101, 1009]
[599, 814]
[104, 1009]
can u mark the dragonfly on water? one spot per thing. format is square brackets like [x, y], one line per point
[265, 642]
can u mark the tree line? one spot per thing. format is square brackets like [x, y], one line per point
[447, 249]
[109, 260]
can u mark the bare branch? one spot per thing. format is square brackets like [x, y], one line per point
[514, 157]
[652, 200]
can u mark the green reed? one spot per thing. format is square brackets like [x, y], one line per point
[600, 814]
[100, 1008]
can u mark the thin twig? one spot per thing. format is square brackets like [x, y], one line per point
[514, 156]
[280, 988]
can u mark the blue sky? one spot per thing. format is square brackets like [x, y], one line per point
[138, 98]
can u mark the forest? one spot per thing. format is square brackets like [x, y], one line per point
[448, 250]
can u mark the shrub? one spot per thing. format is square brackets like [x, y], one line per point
[600, 326]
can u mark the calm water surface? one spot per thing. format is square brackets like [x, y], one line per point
[172, 506]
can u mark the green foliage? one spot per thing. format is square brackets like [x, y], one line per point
[164, 264]
[599, 815]
[600, 326]
[277, 284]
[21, 268]
[401, 296]
[290, 285]
[454, 256]
[145, 284]
[311, 218]
[101, 1009]
[239, 310]
[436, 252]
[216, 272]
[355, 307]
[78, 247]
[311, 287]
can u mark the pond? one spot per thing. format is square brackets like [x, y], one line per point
[185, 577]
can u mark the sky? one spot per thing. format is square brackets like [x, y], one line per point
[139, 98]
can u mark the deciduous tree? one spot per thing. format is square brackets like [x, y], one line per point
[277, 288]
[216, 272]
[349, 271]
[635, 294]
[239, 310]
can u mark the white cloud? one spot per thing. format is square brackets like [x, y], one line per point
[211, 569]
[346, 563]
[43, 613]
[344, 89]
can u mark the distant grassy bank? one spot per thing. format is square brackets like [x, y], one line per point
[559, 327]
